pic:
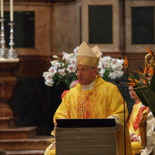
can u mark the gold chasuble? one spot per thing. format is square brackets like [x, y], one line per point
[102, 101]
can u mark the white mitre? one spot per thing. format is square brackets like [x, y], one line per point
[87, 56]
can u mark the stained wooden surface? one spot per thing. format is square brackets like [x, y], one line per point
[86, 141]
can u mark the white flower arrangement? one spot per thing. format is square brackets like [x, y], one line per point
[110, 68]
[61, 70]
[64, 70]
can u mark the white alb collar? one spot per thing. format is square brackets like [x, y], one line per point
[88, 87]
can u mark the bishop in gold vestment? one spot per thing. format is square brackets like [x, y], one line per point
[102, 101]
[93, 97]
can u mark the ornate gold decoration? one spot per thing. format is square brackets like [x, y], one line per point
[150, 60]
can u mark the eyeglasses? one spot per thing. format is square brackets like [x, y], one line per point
[83, 70]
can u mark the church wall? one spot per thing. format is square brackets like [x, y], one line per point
[138, 4]
[61, 27]
[66, 27]
[42, 25]
[56, 30]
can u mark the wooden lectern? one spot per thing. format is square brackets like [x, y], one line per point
[85, 137]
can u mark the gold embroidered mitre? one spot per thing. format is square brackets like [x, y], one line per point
[87, 56]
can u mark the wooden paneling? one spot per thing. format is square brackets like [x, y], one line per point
[136, 60]
[33, 65]
[43, 1]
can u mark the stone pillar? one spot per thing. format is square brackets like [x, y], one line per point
[7, 83]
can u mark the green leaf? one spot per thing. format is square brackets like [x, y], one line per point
[147, 97]
[152, 101]
[133, 78]
[142, 75]
[152, 84]
[142, 94]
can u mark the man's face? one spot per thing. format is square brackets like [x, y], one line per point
[85, 74]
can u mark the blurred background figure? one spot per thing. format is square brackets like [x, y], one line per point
[150, 135]
[72, 84]
[136, 130]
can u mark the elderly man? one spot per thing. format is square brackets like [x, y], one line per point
[93, 97]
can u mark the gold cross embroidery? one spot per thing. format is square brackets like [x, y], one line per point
[81, 111]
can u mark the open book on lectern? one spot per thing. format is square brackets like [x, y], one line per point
[98, 122]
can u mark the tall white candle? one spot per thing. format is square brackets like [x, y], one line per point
[11, 10]
[2, 9]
